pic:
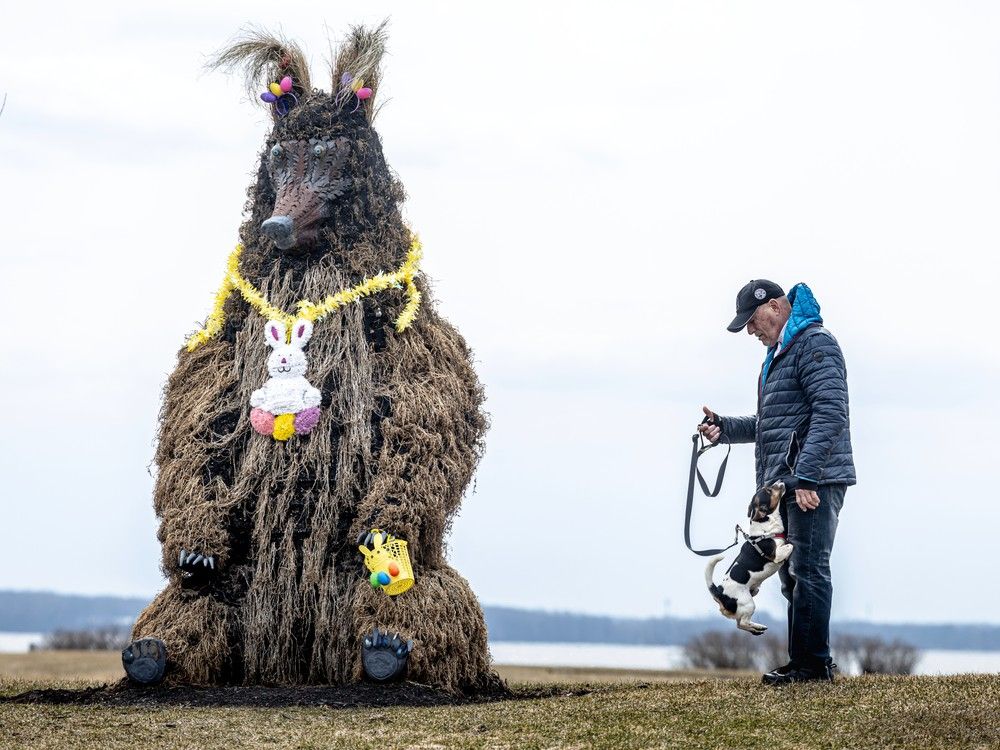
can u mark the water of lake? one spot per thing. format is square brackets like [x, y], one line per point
[18, 642]
[671, 657]
[629, 657]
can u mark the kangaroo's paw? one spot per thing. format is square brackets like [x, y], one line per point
[145, 661]
[384, 656]
[195, 567]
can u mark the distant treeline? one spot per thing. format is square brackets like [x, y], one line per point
[35, 612]
[42, 612]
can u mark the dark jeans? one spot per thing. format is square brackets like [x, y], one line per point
[805, 579]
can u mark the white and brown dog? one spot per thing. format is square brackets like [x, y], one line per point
[760, 558]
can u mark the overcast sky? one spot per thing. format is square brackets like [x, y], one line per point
[593, 183]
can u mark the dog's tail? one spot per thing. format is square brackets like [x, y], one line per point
[710, 570]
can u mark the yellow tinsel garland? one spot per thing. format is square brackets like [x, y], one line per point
[402, 277]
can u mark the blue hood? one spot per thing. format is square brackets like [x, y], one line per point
[805, 312]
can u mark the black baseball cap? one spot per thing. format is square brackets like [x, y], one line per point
[750, 297]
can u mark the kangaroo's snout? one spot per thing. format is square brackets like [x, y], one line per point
[280, 230]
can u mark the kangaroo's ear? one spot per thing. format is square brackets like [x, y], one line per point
[274, 333]
[266, 59]
[302, 331]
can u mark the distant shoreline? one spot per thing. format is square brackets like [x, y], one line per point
[641, 662]
[42, 612]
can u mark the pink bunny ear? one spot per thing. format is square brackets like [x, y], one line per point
[302, 331]
[274, 333]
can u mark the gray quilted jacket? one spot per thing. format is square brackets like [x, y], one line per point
[802, 425]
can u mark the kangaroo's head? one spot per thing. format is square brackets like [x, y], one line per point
[322, 178]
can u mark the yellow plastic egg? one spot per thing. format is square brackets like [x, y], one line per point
[357, 84]
[275, 89]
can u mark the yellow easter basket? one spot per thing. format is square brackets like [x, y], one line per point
[389, 563]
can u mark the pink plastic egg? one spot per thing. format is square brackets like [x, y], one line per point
[286, 84]
[364, 93]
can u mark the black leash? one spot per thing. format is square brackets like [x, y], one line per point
[696, 452]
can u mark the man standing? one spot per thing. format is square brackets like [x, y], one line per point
[801, 433]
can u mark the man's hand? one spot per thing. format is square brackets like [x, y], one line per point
[807, 499]
[709, 430]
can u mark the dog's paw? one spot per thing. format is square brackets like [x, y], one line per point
[782, 556]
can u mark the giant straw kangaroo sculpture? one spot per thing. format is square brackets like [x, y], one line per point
[324, 399]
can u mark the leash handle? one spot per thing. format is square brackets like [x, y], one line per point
[698, 448]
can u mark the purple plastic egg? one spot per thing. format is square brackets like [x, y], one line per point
[346, 79]
[286, 84]
[364, 93]
[268, 97]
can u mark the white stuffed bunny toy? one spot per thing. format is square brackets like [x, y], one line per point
[287, 404]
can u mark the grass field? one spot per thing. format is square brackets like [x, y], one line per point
[575, 709]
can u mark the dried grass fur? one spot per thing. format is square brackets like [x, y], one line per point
[264, 58]
[398, 441]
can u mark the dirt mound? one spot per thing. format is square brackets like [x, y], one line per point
[344, 696]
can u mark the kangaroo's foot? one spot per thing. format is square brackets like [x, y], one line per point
[384, 656]
[145, 661]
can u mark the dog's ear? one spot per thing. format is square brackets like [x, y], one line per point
[753, 506]
[777, 492]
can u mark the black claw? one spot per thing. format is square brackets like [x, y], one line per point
[362, 537]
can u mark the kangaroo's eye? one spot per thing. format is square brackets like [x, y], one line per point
[318, 150]
[277, 151]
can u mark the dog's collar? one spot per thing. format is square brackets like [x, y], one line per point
[762, 537]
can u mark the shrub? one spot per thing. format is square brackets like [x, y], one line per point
[872, 655]
[106, 638]
[734, 650]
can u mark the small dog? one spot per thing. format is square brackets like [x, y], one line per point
[757, 561]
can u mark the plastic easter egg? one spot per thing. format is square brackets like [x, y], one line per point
[285, 103]
[393, 569]
[346, 79]
[286, 84]
[383, 578]
[276, 89]
[373, 580]
[268, 97]
[358, 83]
[364, 93]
